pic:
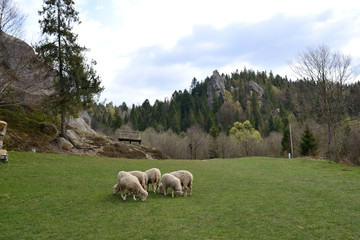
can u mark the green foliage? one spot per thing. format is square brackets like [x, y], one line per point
[214, 131]
[246, 135]
[55, 196]
[214, 147]
[285, 141]
[25, 120]
[27, 128]
[308, 144]
[255, 115]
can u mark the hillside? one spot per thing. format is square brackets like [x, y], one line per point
[263, 98]
[38, 132]
[270, 102]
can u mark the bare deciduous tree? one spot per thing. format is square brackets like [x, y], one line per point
[330, 71]
[23, 79]
[198, 142]
[11, 18]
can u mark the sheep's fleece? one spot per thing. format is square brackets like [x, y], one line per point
[154, 176]
[186, 179]
[170, 181]
[131, 184]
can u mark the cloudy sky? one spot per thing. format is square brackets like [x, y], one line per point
[147, 49]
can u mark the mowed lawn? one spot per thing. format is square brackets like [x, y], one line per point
[54, 196]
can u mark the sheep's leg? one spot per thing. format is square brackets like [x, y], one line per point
[185, 193]
[164, 190]
[190, 188]
[134, 197]
[121, 192]
[157, 186]
[123, 195]
[153, 186]
[172, 192]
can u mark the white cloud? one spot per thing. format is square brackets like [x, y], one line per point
[148, 49]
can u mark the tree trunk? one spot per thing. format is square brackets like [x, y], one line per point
[63, 126]
[61, 82]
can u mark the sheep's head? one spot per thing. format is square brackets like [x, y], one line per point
[160, 189]
[116, 188]
[143, 196]
[178, 193]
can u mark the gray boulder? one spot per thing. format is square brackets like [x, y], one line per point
[64, 144]
[84, 115]
[80, 124]
[74, 138]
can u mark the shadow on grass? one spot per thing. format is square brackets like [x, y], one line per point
[116, 198]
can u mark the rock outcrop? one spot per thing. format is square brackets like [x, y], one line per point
[22, 77]
[85, 116]
[80, 124]
[256, 88]
[216, 87]
[64, 144]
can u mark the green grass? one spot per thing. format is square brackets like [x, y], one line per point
[49, 196]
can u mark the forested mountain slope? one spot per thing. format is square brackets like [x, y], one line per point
[281, 98]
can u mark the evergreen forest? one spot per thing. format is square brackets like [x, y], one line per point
[283, 103]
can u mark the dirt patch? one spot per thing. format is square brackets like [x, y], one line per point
[345, 169]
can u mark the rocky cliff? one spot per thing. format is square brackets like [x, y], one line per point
[254, 87]
[23, 79]
[216, 87]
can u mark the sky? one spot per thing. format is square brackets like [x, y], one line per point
[147, 49]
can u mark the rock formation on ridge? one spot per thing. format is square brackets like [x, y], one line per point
[216, 86]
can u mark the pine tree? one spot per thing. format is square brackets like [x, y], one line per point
[214, 148]
[77, 83]
[285, 141]
[255, 115]
[308, 144]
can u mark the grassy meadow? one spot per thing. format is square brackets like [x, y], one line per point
[54, 196]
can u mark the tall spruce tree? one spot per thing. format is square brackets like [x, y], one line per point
[76, 82]
[285, 141]
[308, 144]
[255, 114]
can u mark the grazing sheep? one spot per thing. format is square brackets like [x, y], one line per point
[121, 174]
[131, 184]
[170, 181]
[186, 179]
[141, 176]
[154, 176]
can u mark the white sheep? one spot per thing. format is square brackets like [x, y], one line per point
[170, 181]
[121, 174]
[186, 179]
[141, 176]
[154, 176]
[131, 184]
